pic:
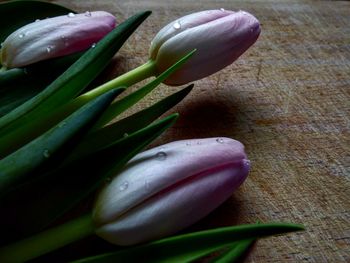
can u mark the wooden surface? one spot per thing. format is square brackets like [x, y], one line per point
[287, 100]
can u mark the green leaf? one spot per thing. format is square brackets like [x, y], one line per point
[235, 253]
[35, 115]
[16, 14]
[184, 248]
[53, 194]
[20, 84]
[120, 106]
[50, 147]
[103, 137]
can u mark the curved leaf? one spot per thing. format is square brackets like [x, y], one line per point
[34, 116]
[50, 147]
[105, 136]
[177, 248]
[55, 193]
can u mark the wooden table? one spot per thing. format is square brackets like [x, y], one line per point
[287, 100]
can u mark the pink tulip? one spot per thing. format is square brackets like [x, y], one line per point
[219, 36]
[168, 188]
[55, 37]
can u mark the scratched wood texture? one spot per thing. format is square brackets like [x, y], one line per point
[287, 100]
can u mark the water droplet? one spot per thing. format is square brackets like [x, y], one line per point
[188, 144]
[246, 162]
[88, 13]
[93, 45]
[125, 135]
[37, 20]
[161, 156]
[1, 44]
[199, 143]
[177, 25]
[71, 15]
[21, 35]
[220, 140]
[124, 186]
[62, 124]
[222, 9]
[64, 39]
[49, 49]
[46, 153]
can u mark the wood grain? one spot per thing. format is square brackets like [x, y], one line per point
[287, 100]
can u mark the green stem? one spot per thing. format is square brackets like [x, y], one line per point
[129, 78]
[136, 75]
[48, 240]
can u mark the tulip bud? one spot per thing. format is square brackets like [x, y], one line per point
[168, 188]
[55, 37]
[219, 36]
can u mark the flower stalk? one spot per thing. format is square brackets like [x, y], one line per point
[48, 241]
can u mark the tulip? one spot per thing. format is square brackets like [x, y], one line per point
[168, 188]
[55, 37]
[219, 36]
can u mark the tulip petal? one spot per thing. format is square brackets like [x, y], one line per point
[55, 37]
[184, 23]
[185, 179]
[177, 207]
[219, 37]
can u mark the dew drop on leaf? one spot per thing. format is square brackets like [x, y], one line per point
[46, 153]
[161, 156]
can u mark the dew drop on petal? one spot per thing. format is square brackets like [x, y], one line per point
[37, 20]
[21, 35]
[88, 13]
[93, 45]
[46, 153]
[49, 49]
[177, 25]
[161, 156]
[220, 140]
[188, 144]
[71, 14]
[222, 9]
[124, 186]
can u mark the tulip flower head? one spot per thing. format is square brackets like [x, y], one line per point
[168, 188]
[219, 36]
[55, 37]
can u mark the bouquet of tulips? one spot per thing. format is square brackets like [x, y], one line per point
[59, 144]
